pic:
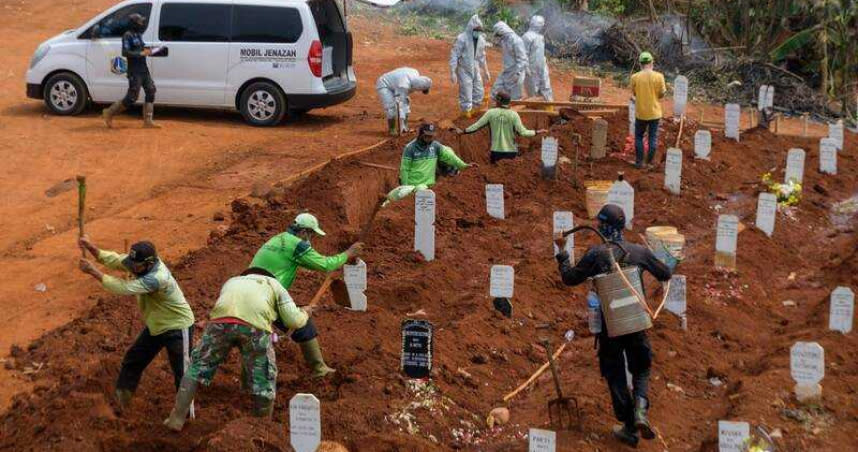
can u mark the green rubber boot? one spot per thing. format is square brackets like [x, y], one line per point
[123, 399]
[313, 357]
[391, 127]
[184, 398]
[641, 422]
[626, 435]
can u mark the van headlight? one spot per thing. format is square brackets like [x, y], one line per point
[40, 54]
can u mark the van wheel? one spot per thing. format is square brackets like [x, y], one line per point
[66, 94]
[263, 104]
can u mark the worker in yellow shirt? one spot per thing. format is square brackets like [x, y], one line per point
[648, 89]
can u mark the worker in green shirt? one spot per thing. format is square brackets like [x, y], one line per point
[504, 124]
[282, 255]
[422, 159]
[241, 318]
[167, 316]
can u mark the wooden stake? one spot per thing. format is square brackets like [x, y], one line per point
[81, 208]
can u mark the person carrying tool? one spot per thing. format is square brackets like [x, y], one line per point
[393, 89]
[504, 124]
[168, 318]
[630, 409]
[537, 82]
[135, 51]
[241, 318]
[511, 78]
[467, 58]
[648, 89]
[282, 255]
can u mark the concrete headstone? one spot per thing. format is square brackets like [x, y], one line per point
[599, 141]
[727, 236]
[673, 170]
[541, 440]
[565, 221]
[494, 201]
[732, 436]
[550, 149]
[680, 95]
[794, 165]
[702, 144]
[416, 356]
[842, 310]
[835, 132]
[767, 209]
[770, 97]
[424, 215]
[807, 363]
[355, 277]
[305, 423]
[762, 96]
[827, 156]
[622, 194]
[502, 281]
[732, 115]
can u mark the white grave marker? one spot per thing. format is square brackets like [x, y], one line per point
[541, 440]
[355, 276]
[305, 423]
[794, 165]
[762, 97]
[599, 141]
[732, 115]
[842, 310]
[622, 194]
[767, 209]
[827, 156]
[424, 232]
[807, 363]
[702, 144]
[550, 147]
[502, 281]
[673, 170]
[632, 118]
[680, 95]
[835, 132]
[565, 221]
[770, 97]
[726, 241]
[732, 436]
[676, 298]
[494, 201]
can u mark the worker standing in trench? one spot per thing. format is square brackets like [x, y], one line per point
[282, 255]
[630, 409]
[393, 89]
[168, 317]
[247, 306]
[504, 124]
[422, 159]
[648, 89]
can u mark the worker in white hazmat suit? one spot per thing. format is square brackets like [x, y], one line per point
[511, 79]
[467, 58]
[537, 83]
[393, 89]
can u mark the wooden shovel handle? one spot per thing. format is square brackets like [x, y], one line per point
[535, 375]
[325, 286]
[81, 208]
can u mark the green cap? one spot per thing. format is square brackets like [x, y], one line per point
[308, 221]
[645, 58]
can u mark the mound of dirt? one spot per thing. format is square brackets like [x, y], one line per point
[739, 330]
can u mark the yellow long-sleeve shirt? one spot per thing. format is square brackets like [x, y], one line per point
[258, 300]
[158, 294]
[648, 87]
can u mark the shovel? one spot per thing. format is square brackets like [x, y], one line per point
[560, 409]
[338, 286]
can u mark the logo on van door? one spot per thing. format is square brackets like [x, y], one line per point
[118, 65]
[261, 55]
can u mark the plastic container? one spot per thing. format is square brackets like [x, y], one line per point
[623, 313]
[594, 313]
[673, 243]
[597, 196]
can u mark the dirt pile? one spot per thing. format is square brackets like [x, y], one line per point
[732, 363]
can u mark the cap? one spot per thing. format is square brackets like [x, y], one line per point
[141, 252]
[612, 215]
[427, 129]
[645, 58]
[308, 221]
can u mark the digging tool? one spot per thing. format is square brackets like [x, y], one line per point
[560, 409]
[377, 165]
[338, 286]
[81, 208]
[535, 375]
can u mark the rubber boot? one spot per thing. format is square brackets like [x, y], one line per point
[149, 116]
[263, 406]
[184, 398]
[391, 127]
[108, 113]
[641, 422]
[123, 399]
[313, 357]
[626, 435]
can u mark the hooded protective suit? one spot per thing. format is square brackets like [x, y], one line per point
[537, 83]
[467, 58]
[394, 87]
[515, 62]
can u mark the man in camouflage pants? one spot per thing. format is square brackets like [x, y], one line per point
[241, 318]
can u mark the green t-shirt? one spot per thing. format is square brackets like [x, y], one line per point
[504, 124]
[284, 253]
[259, 301]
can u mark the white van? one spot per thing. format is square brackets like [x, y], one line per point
[263, 58]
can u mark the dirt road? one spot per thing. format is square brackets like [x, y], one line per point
[165, 185]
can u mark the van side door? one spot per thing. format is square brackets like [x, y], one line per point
[104, 61]
[196, 34]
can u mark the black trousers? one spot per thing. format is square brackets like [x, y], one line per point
[136, 80]
[497, 156]
[638, 352]
[178, 344]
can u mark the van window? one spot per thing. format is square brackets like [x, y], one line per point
[266, 24]
[116, 24]
[194, 22]
[328, 19]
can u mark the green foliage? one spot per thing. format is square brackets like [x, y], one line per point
[609, 7]
[495, 10]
